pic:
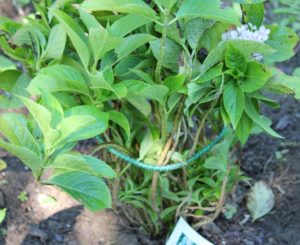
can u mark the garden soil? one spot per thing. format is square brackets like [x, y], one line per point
[37, 220]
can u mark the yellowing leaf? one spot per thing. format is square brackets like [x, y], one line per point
[261, 200]
[3, 165]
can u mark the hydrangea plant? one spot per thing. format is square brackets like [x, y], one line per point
[155, 80]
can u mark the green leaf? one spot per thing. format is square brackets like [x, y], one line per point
[174, 83]
[256, 77]
[121, 6]
[216, 163]
[28, 157]
[195, 28]
[99, 81]
[244, 128]
[2, 214]
[98, 38]
[56, 43]
[127, 24]
[146, 145]
[89, 20]
[140, 103]
[254, 13]
[283, 40]
[8, 79]
[284, 84]
[259, 96]
[235, 59]
[234, 102]
[171, 53]
[211, 74]
[82, 163]
[260, 200]
[198, 91]
[30, 35]
[43, 118]
[90, 190]
[53, 105]
[256, 118]
[208, 9]
[58, 78]
[120, 119]
[131, 43]
[154, 92]
[220, 152]
[6, 64]
[76, 34]
[95, 127]
[14, 127]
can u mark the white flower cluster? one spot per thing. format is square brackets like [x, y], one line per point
[248, 32]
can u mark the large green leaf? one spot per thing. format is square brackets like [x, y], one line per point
[140, 103]
[195, 28]
[121, 6]
[171, 53]
[94, 127]
[254, 13]
[283, 83]
[256, 77]
[28, 157]
[208, 9]
[234, 102]
[89, 20]
[154, 92]
[98, 38]
[127, 24]
[82, 163]
[174, 83]
[131, 43]
[90, 190]
[76, 34]
[283, 40]
[76, 127]
[56, 43]
[58, 78]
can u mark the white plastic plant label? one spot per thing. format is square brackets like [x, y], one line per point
[184, 234]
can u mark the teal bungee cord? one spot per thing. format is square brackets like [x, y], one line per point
[169, 167]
